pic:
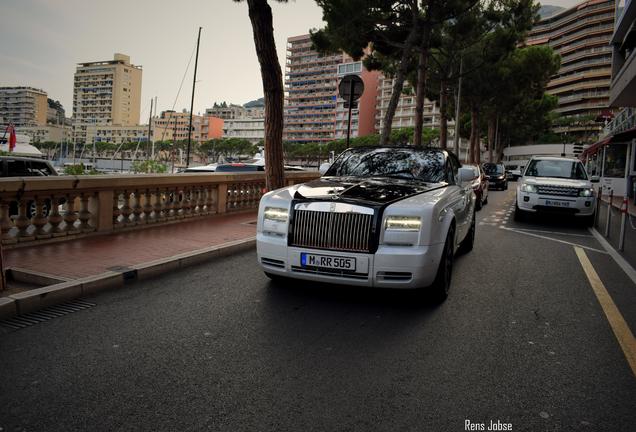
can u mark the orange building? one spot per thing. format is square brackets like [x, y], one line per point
[212, 128]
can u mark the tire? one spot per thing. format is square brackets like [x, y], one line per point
[469, 241]
[519, 216]
[478, 204]
[441, 284]
[485, 201]
[505, 186]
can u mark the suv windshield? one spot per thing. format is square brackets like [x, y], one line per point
[556, 168]
[493, 169]
[424, 165]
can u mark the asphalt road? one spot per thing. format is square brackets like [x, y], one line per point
[522, 339]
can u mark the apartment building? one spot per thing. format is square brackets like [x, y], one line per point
[58, 133]
[252, 129]
[581, 36]
[23, 106]
[227, 112]
[311, 85]
[172, 125]
[405, 112]
[116, 134]
[106, 93]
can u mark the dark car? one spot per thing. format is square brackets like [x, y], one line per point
[496, 175]
[480, 186]
[26, 167]
[239, 167]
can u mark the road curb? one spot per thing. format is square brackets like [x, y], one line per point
[39, 298]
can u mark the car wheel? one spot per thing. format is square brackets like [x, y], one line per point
[32, 209]
[439, 289]
[478, 204]
[467, 244]
[505, 186]
[519, 216]
[485, 201]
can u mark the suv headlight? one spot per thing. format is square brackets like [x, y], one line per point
[403, 223]
[528, 188]
[277, 214]
[586, 192]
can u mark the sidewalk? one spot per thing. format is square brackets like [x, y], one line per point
[617, 202]
[91, 256]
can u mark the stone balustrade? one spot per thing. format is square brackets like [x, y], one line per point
[43, 209]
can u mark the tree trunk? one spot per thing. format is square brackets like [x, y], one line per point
[400, 75]
[443, 116]
[474, 135]
[420, 91]
[491, 137]
[261, 17]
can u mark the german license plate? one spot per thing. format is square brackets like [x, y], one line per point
[327, 261]
[552, 203]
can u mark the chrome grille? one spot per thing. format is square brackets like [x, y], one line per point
[558, 190]
[329, 230]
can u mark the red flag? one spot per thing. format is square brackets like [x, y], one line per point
[12, 138]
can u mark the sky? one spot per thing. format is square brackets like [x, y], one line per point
[43, 40]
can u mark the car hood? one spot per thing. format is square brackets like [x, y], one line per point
[374, 190]
[550, 181]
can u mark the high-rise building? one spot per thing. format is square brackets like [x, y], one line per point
[581, 36]
[405, 112]
[106, 93]
[251, 129]
[311, 92]
[23, 106]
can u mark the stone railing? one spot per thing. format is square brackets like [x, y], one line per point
[34, 210]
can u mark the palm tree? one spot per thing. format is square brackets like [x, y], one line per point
[261, 17]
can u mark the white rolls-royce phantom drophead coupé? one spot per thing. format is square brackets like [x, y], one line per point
[390, 217]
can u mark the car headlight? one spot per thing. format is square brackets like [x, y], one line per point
[276, 214]
[586, 192]
[403, 223]
[528, 188]
[501, 177]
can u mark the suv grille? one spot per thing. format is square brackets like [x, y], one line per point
[557, 190]
[328, 230]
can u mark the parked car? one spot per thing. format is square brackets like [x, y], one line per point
[496, 175]
[201, 169]
[25, 167]
[556, 185]
[11, 166]
[513, 171]
[480, 186]
[390, 217]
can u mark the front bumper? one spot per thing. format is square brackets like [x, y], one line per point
[576, 206]
[389, 267]
[497, 183]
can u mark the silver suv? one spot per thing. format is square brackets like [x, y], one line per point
[556, 185]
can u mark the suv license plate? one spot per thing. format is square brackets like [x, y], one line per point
[557, 203]
[328, 261]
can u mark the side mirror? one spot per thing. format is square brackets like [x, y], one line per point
[466, 175]
[595, 179]
[324, 167]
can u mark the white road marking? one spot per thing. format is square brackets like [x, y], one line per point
[554, 232]
[553, 239]
[627, 268]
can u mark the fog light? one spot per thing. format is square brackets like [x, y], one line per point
[588, 203]
[526, 198]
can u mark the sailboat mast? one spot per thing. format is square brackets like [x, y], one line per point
[194, 83]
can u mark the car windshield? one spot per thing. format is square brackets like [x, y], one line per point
[493, 169]
[424, 165]
[556, 168]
